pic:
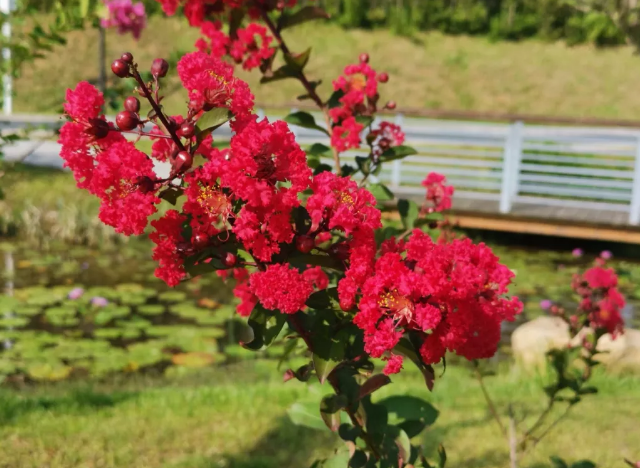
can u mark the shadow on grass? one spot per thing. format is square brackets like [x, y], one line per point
[285, 446]
[13, 407]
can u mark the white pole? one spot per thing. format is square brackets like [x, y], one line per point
[7, 82]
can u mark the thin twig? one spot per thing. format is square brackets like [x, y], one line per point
[305, 82]
[513, 440]
[157, 109]
[527, 435]
[489, 401]
[552, 425]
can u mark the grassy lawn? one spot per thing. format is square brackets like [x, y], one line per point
[431, 70]
[236, 417]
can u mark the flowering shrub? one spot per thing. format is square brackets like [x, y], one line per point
[597, 314]
[304, 245]
[125, 16]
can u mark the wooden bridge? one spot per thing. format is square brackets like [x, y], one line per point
[519, 173]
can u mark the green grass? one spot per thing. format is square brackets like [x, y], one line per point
[431, 70]
[237, 418]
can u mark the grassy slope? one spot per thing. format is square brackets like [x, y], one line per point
[431, 71]
[237, 419]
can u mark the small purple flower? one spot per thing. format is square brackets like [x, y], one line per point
[606, 255]
[99, 301]
[546, 304]
[84, 265]
[125, 16]
[577, 252]
[75, 293]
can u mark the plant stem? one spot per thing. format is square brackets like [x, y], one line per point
[151, 135]
[537, 424]
[157, 109]
[305, 82]
[513, 440]
[296, 324]
[489, 401]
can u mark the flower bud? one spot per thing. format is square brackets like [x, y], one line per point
[383, 77]
[340, 251]
[304, 244]
[391, 105]
[187, 130]
[98, 128]
[120, 68]
[127, 57]
[159, 68]
[364, 58]
[132, 104]
[199, 241]
[229, 260]
[127, 120]
[182, 162]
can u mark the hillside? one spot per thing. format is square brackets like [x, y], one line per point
[429, 71]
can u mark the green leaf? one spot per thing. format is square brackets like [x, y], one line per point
[397, 152]
[322, 168]
[334, 99]
[326, 261]
[306, 414]
[381, 192]
[211, 120]
[171, 194]
[558, 462]
[588, 390]
[442, 455]
[282, 73]
[298, 61]
[364, 164]
[266, 326]
[330, 407]
[304, 120]
[339, 460]
[318, 149]
[584, 464]
[308, 13]
[324, 365]
[409, 212]
[410, 408]
[404, 445]
[374, 383]
[325, 299]
[406, 348]
[84, 8]
[364, 120]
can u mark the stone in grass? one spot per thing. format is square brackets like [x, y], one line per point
[531, 341]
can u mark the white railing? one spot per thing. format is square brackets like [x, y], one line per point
[575, 167]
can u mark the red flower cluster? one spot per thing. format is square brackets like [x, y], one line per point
[601, 301]
[105, 164]
[359, 88]
[452, 294]
[248, 46]
[438, 194]
[384, 137]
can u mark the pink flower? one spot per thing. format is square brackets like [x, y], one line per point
[393, 366]
[346, 135]
[168, 238]
[247, 50]
[438, 193]
[577, 252]
[125, 16]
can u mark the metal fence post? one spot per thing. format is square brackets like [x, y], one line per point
[396, 166]
[634, 208]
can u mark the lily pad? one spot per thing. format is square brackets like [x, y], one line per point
[49, 372]
[13, 322]
[172, 296]
[151, 309]
[192, 359]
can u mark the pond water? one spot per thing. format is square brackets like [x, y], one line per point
[77, 311]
